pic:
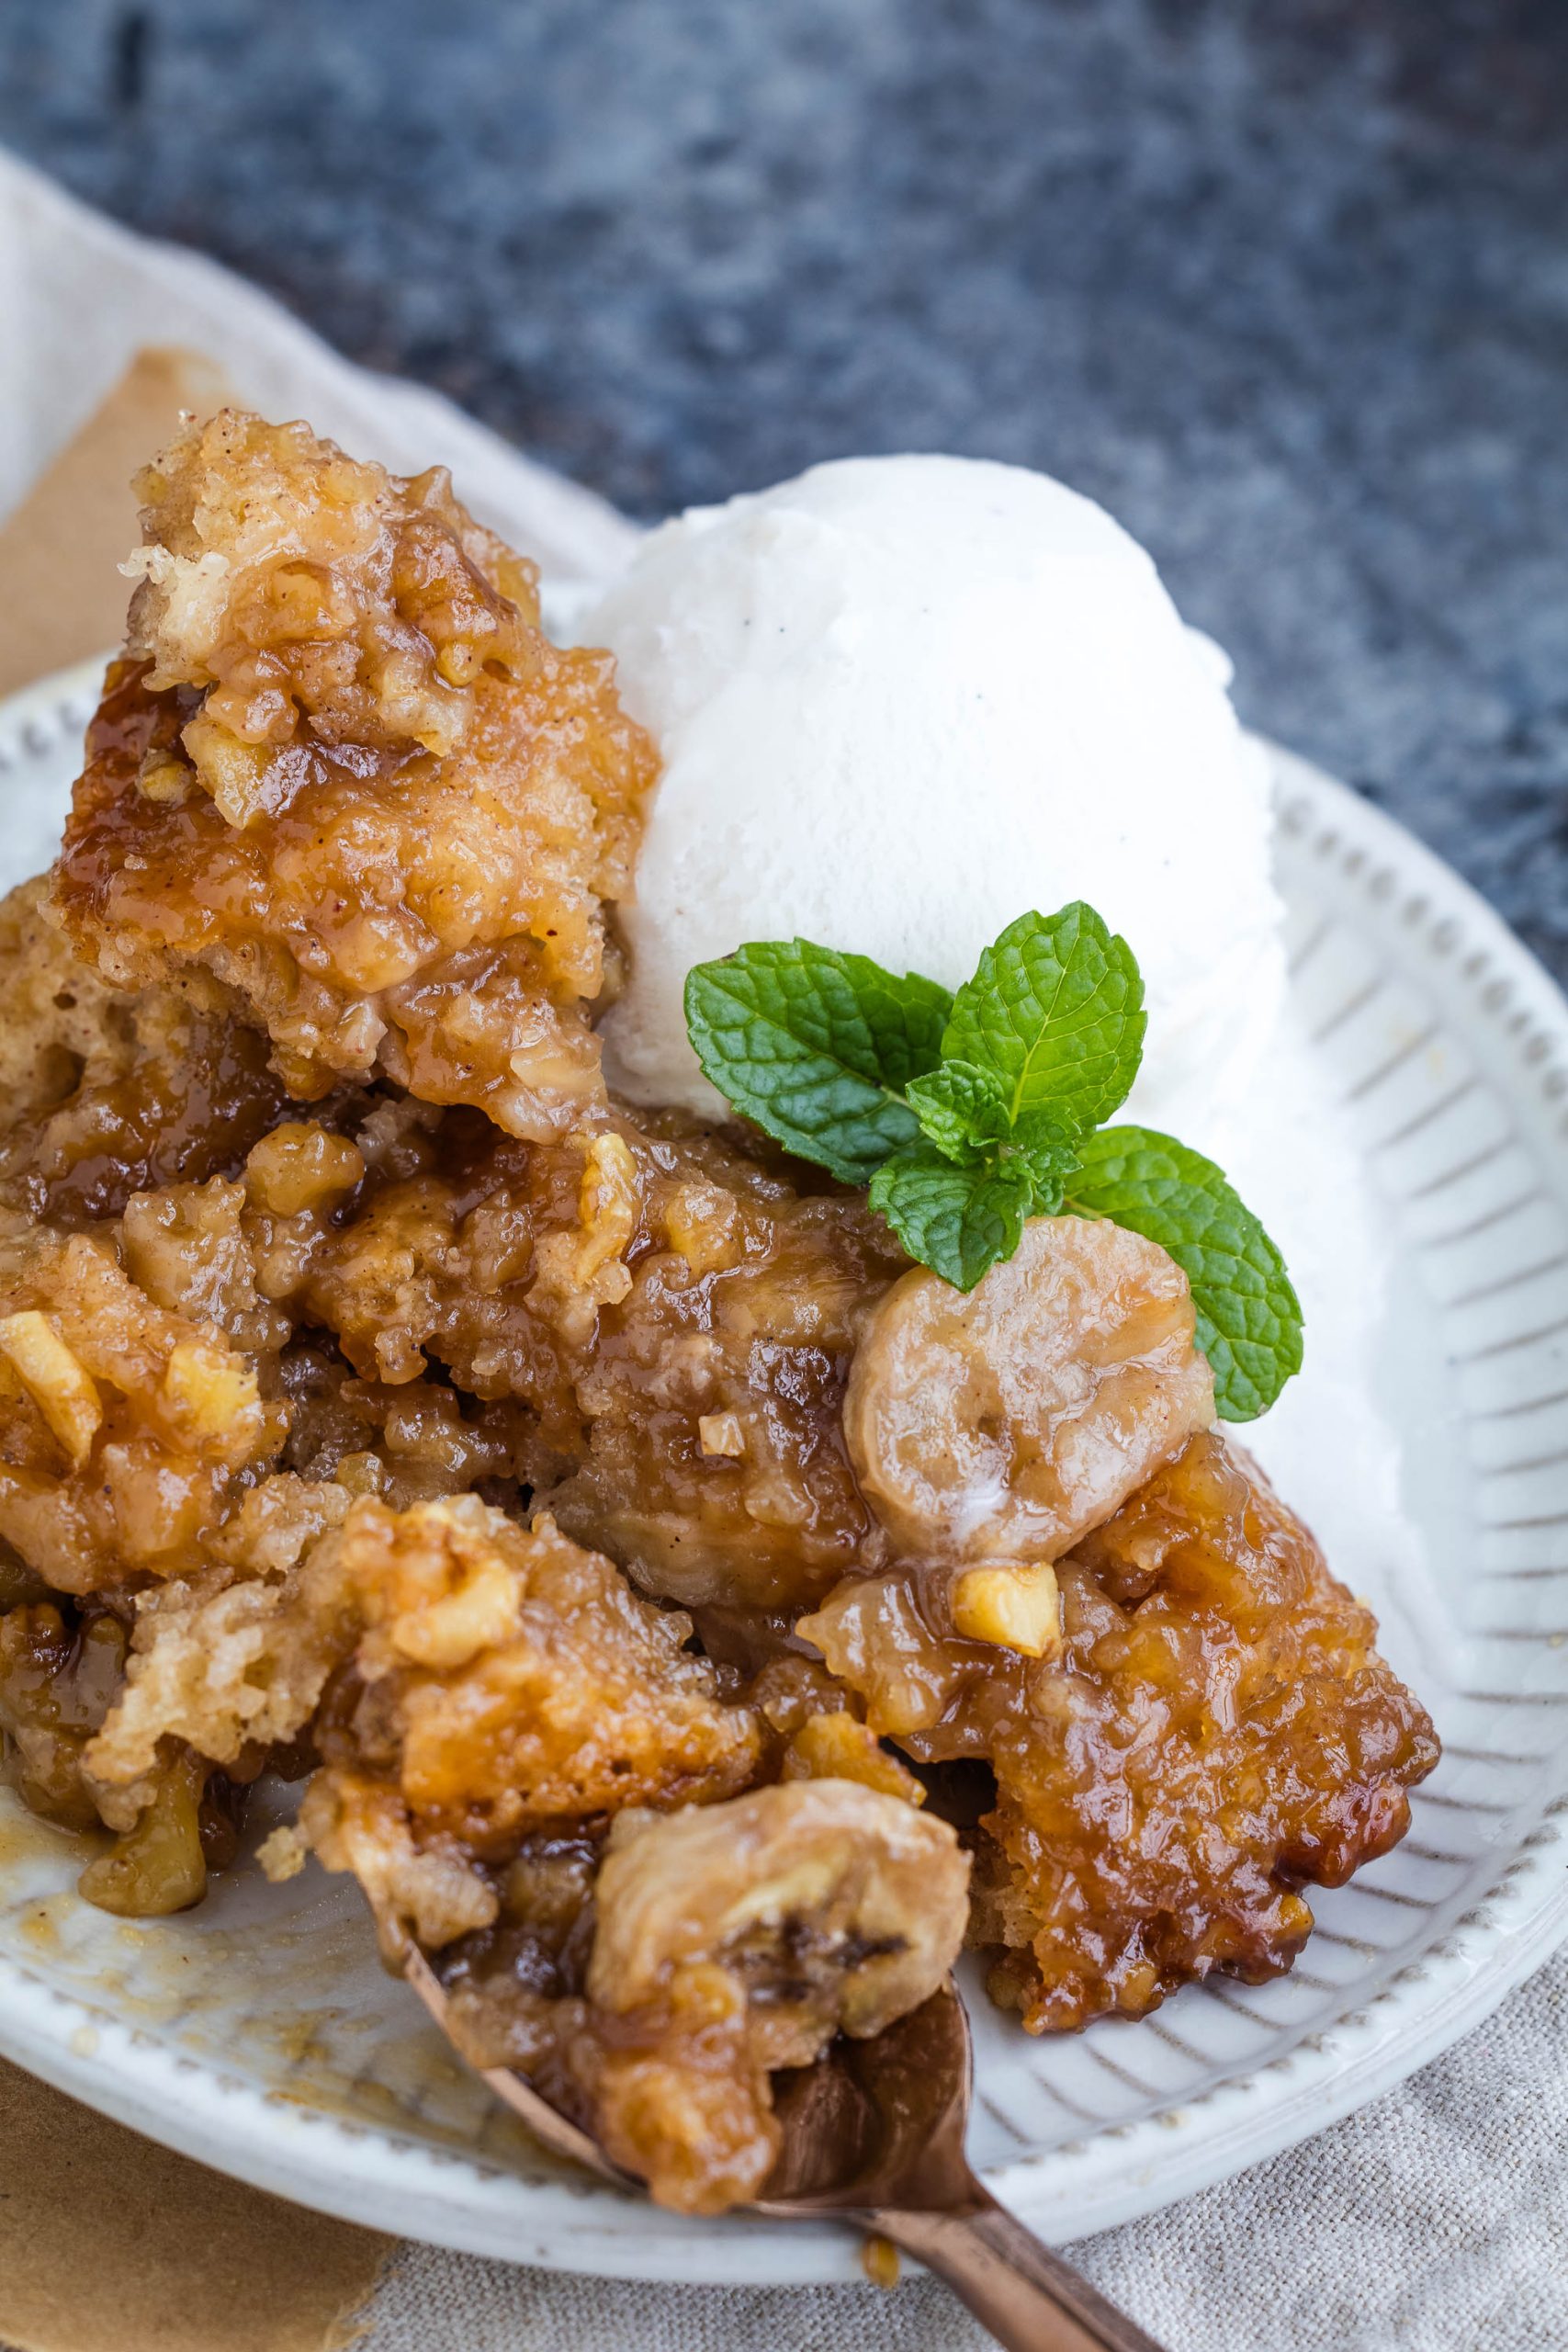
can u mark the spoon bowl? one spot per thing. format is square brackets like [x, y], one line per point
[874, 2134]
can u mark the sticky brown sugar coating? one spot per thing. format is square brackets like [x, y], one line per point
[621, 1294]
[435, 1307]
[105, 1093]
[599, 1508]
[508, 1680]
[126, 1430]
[341, 770]
[634, 1290]
[1218, 1731]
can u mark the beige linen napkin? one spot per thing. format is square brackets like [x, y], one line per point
[1434, 2221]
[109, 2243]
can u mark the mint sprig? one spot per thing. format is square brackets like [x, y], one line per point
[967, 1114]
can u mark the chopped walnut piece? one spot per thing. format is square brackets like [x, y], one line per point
[156, 1865]
[283, 1854]
[180, 1424]
[56, 1380]
[302, 1167]
[583, 1269]
[187, 1247]
[208, 1391]
[1017, 1606]
[839, 1747]
[609, 1204]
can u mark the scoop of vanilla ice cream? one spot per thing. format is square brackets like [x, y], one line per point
[899, 701]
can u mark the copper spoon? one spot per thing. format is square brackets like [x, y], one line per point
[874, 2135]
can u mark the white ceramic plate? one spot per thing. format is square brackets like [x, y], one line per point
[260, 2035]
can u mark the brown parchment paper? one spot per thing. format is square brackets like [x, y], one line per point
[109, 2242]
[61, 594]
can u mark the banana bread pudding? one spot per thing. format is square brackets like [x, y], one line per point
[691, 1621]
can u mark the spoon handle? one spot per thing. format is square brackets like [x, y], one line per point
[1017, 2288]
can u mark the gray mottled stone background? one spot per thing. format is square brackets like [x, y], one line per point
[1285, 284]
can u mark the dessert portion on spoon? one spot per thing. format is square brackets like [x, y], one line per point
[708, 1556]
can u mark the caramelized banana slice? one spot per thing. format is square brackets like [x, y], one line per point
[833, 1907]
[735, 1939]
[1007, 1423]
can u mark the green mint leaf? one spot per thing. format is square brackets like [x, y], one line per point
[1050, 1162]
[817, 1046]
[964, 1109]
[1249, 1319]
[1055, 1010]
[1046, 1135]
[958, 1221]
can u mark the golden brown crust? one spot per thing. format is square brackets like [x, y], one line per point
[508, 1681]
[342, 769]
[126, 1432]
